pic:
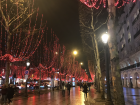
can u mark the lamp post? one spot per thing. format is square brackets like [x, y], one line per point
[105, 40]
[27, 65]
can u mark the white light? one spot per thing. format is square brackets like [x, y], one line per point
[81, 63]
[105, 38]
[130, 77]
[75, 52]
[28, 63]
[56, 52]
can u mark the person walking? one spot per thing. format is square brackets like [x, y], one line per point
[68, 87]
[80, 86]
[85, 90]
[10, 94]
[63, 88]
[89, 86]
[4, 94]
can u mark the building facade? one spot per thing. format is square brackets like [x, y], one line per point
[128, 44]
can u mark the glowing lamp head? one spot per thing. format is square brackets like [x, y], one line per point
[27, 63]
[75, 52]
[105, 38]
[56, 52]
[81, 63]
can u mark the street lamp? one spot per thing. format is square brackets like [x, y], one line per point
[75, 52]
[105, 40]
[81, 63]
[27, 65]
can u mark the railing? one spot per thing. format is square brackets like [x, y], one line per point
[131, 66]
[135, 19]
[138, 33]
[132, 8]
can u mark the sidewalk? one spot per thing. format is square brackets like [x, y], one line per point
[94, 98]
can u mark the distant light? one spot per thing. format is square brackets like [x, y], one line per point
[75, 52]
[56, 52]
[27, 63]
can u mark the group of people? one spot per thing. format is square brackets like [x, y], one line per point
[7, 93]
[64, 88]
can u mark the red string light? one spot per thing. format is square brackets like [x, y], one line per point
[97, 3]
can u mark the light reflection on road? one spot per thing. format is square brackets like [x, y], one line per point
[54, 98]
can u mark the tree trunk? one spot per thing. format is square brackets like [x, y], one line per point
[8, 59]
[39, 80]
[116, 75]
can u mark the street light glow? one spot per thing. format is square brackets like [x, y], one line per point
[27, 63]
[56, 52]
[75, 52]
[105, 38]
[81, 63]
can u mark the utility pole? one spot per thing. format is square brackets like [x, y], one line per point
[115, 69]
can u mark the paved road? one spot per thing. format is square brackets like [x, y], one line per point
[55, 98]
[132, 96]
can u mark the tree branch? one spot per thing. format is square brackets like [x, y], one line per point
[97, 17]
[23, 21]
[17, 17]
[85, 25]
[102, 24]
[87, 45]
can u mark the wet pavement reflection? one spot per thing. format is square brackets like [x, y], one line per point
[132, 96]
[55, 98]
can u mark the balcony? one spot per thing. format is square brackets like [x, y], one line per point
[123, 47]
[126, 15]
[128, 28]
[135, 20]
[131, 67]
[124, 22]
[129, 40]
[121, 39]
[132, 8]
[137, 34]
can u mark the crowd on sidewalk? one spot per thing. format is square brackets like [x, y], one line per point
[7, 94]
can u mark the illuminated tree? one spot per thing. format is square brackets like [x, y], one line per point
[18, 40]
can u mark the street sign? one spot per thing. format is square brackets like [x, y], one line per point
[26, 72]
[26, 76]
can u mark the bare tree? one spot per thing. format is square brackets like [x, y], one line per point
[88, 24]
[15, 17]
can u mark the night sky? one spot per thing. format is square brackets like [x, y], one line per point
[63, 17]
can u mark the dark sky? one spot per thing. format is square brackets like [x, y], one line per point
[63, 17]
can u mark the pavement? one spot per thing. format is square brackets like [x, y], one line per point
[131, 96]
[49, 97]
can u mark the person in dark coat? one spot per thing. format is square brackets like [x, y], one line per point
[4, 93]
[10, 93]
[68, 87]
[85, 90]
[63, 89]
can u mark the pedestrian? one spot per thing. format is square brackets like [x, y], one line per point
[63, 88]
[68, 87]
[80, 86]
[10, 93]
[89, 86]
[85, 90]
[4, 94]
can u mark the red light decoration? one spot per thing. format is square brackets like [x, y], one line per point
[97, 3]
